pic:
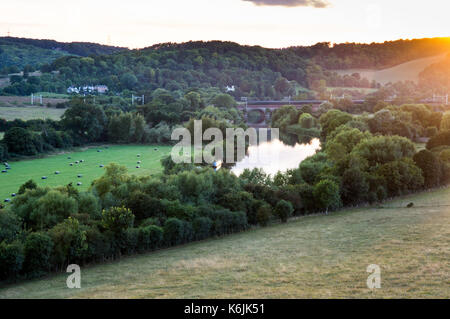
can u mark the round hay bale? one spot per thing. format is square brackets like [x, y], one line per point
[13, 195]
[44, 177]
[69, 157]
[4, 171]
[76, 162]
[139, 155]
[156, 149]
[81, 161]
[7, 200]
[101, 165]
[80, 176]
[79, 184]
[98, 151]
[57, 173]
[6, 164]
[138, 167]
[139, 162]
[71, 164]
[8, 167]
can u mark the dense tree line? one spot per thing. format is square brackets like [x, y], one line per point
[86, 122]
[20, 52]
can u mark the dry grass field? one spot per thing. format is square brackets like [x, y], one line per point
[6, 101]
[405, 71]
[310, 257]
[29, 112]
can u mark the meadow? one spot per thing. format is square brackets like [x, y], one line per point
[408, 71]
[11, 113]
[320, 256]
[35, 169]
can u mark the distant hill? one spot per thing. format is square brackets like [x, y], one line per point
[251, 71]
[21, 51]
[408, 71]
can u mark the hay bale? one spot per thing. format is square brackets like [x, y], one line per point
[139, 155]
[69, 157]
[138, 167]
[7, 200]
[79, 184]
[156, 149]
[76, 162]
[71, 164]
[81, 161]
[13, 195]
[8, 167]
[80, 176]
[57, 173]
[4, 171]
[98, 151]
[101, 165]
[44, 177]
[139, 162]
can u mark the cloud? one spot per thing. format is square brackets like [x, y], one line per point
[291, 3]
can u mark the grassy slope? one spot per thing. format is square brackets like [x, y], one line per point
[405, 71]
[315, 256]
[22, 171]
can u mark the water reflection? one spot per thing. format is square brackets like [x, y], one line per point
[274, 156]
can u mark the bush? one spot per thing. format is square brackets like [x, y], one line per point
[440, 139]
[132, 240]
[264, 214]
[150, 237]
[283, 210]
[11, 259]
[430, 166]
[117, 219]
[202, 227]
[326, 193]
[69, 242]
[30, 184]
[37, 249]
[173, 231]
[10, 226]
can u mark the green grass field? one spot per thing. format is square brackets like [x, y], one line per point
[21, 171]
[28, 113]
[310, 257]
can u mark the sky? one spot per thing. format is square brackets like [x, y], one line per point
[269, 23]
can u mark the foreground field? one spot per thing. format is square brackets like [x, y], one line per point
[316, 256]
[22, 171]
[10, 113]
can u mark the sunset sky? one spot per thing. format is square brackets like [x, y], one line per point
[269, 23]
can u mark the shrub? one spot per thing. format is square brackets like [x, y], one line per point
[117, 219]
[69, 242]
[430, 166]
[440, 139]
[11, 259]
[30, 184]
[37, 249]
[263, 214]
[202, 227]
[173, 231]
[283, 210]
[326, 193]
[132, 240]
[10, 226]
[150, 237]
